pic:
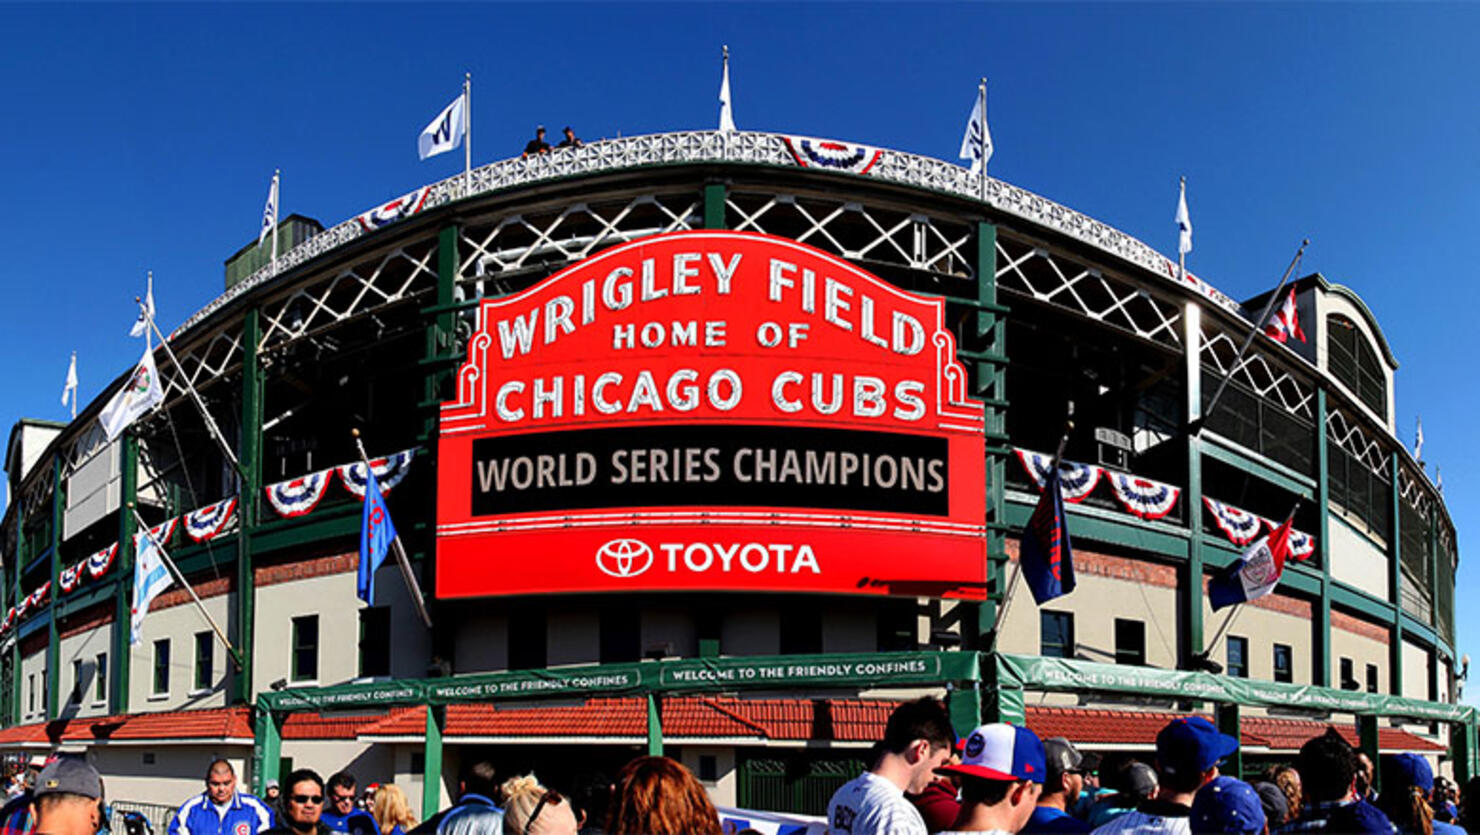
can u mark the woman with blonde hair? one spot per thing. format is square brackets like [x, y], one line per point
[392, 811]
[532, 809]
[658, 796]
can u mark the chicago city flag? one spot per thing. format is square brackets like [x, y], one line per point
[150, 578]
[1256, 573]
[377, 532]
[1045, 558]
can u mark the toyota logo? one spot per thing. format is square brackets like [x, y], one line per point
[624, 557]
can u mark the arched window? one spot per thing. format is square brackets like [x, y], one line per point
[1355, 364]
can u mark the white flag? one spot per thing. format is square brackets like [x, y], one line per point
[976, 144]
[141, 325]
[70, 388]
[150, 578]
[726, 114]
[1418, 442]
[142, 392]
[1184, 224]
[445, 133]
[269, 212]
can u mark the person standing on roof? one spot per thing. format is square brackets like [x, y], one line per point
[221, 809]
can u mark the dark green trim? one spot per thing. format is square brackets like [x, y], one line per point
[991, 386]
[53, 637]
[326, 523]
[1321, 639]
[267, 749]
[128, 489]
[654, 725]
[1353, 599]
[1227, 715]
[1226, 451]
[715, 195]
[431, 782]
[248, 496]
[86, 597]
[1367, 740]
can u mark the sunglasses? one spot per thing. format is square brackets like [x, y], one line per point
[308, 799]
[549, 797]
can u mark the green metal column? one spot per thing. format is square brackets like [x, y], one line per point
[431, 781]
[249, 450]
[714, 205]
[991, 387]
[267, 750]
[21, 558]
[1321, 643]
[654, 725]
[1227, 714]
[123, 571]
[1192, 498]
[53, 630]
[1395, 577]
[1367, 741]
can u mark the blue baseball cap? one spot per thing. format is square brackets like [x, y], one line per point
[1227, 804]
[1001, 752]
[1191, 744]
[1402, 770]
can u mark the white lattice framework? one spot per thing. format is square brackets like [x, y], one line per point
[1265, 377]
[537, 238]
[1052, 278]
[852, 230]
[1350, 436]
[1415, 491]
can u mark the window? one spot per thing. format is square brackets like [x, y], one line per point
[162, 666]
[1372, 678]
[1351, 360]
[76, 695]
[1284, 664]
[100, 678]
[375, 641]
[1057, 640]
[1348, 676]
[708, 768]
[1130, 642]
[305, 648]
[1238, 657]
[31, 690]
[205, 658]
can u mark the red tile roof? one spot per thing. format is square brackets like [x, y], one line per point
[212, 723]
[1100, 726]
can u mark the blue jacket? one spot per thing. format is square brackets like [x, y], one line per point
[246, 815]
[357, 822]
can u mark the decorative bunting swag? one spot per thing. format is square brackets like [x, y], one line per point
[388, 472]
[99, 563]
[298, 496]
[1240, 526]
[832, 155]
[1076, 481]
[210, 520]
[1143, 497]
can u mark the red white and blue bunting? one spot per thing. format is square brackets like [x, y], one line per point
[298, 496]
[99, 563]
[164, 530]
[832, 155]
[399, 209]
[388, 472]
[1076, 481]
[1143, 497]
[71, 578]
[205, 523]
[1302, 545]
[1240, 526]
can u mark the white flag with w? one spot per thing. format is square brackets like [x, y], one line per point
[150, 578]
[726, 113]
[142, 392]
[445, 133]
[976, 144]
[270, 215]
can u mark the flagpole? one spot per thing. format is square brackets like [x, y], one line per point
[1017, 567]
[277, 213]
[467, 134]
[1195, 427]
[982, 126]
[401, 559]
[194, 395]
[164, 557]
[1181, 253]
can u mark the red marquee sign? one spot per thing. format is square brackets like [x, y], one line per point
[712, 411]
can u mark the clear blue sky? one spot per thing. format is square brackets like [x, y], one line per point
[144, 137]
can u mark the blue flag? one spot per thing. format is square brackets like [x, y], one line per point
[377, 532]
[1045, 558]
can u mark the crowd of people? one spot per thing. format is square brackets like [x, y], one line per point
[1004, 779]
[999, 779]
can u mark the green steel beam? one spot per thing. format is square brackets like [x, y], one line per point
[53, 631]
[1395, 577]
[248, 495]
[1192, 599]
[431, 780]
[1353, 599]
[1321, 639]
[1227, 715]
[326, 523]
[1367, 741]
[654, 725]
[991, 385]
[1224, 450]
[714, 205]
[128, 489]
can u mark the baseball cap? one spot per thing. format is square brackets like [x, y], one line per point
[1140, 780]
[1061, 755]
[1191, 744]
[1227, 804]
[1400, 770]
[272, 784]
[69, 775]
[1001, 752]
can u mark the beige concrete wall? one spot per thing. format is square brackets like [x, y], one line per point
[1416, 671]
[1357, 562]
[1095, 604]
[722, 792]
[1263, 628]
[1363, 651]
[333, 599]
[369, 763]
[33, 670]
[162, 774]
[179, 624]
[86, 647]
[412, 784]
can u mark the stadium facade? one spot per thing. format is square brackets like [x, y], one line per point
[719, 444]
